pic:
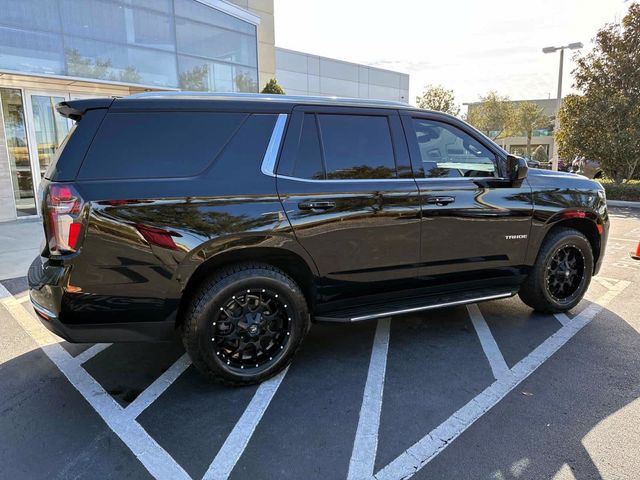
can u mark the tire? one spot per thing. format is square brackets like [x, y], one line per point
[549, 288]
[245, 323]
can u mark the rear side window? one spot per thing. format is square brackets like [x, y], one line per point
[157, 144]
[357, 146]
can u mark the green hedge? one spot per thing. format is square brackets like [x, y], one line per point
[629, 191]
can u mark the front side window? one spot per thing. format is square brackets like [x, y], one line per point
[447, 151]
[356, 146]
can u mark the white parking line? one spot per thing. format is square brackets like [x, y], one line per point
[498, 366]
[161, 465]
[91, 352]
[365, 445]
[239, 437]
[4, 293]
[424, 450]
[155, 459]
[562, 318]
[153, 391]
[122, 421]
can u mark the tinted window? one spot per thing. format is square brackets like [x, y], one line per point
[447, 151]
[357, 146]
[157, 144]
[308, 162]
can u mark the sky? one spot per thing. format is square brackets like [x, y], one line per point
[468, 46]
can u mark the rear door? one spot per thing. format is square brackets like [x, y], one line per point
[345, 181]
[475, 222]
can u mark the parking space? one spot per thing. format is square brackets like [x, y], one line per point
[484, 391]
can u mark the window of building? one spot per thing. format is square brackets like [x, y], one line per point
[28, 51]
[447, 151]
[357, 146]
[131, 41]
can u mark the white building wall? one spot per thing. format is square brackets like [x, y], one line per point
[305, 74]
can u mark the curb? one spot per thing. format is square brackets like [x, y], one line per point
[623, 203]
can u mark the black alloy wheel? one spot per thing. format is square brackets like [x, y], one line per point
[245, 323]
[251, 329]
[565, 272]
[561, 273]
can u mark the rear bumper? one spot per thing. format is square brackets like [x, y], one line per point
[47, 294]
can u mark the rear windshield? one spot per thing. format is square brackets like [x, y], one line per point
[157, 144]
[54, 160]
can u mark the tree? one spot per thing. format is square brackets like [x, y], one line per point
[603, 123]
[81, 66]
[273, 87]
[435, 97]
[540, 155]
[245, 83]
[528, 116]
[195, 79]
[85, 67]
[130, 75]
[493, 115]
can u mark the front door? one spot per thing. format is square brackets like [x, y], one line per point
[475, 223]
[345, 182]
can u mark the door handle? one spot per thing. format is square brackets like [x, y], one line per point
[316, 205]
[440, 201]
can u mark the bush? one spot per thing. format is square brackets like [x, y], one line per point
[628, 191]
[273, 87]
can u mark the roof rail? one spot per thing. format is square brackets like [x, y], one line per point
[268, 98]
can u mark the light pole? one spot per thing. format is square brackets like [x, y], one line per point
[571, 46]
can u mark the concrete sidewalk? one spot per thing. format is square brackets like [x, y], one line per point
[20, 243]
[623, 204]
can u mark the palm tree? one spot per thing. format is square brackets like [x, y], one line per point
[527, 117]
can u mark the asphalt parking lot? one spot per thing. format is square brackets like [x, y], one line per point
[492, 391]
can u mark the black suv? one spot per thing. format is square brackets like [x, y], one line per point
[236, 220]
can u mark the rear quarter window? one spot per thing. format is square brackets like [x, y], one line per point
[158, 144]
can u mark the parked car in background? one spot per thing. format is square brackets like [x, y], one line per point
[564, 166]
[236, 220]
[531, 163]
[586, 167]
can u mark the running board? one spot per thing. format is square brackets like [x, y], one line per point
[374, 311]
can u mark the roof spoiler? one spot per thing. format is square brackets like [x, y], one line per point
[74, 109]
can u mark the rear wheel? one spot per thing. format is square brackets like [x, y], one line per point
[562, 272]
[245, 323]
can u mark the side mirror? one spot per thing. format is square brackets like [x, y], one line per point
[517, 168]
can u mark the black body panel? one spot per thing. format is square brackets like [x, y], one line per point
[145, 243]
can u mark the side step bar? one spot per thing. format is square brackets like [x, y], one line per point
[403, 311]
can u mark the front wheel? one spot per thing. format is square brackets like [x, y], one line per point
[562, 272]
[245, 323]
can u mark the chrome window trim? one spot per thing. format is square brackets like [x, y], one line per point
[270, 158]
[343, 180]
[268, 166]
[416, 179]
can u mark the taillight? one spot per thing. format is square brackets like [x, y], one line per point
[64, 208]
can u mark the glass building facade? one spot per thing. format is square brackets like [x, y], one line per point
[181, 44]
[57, 50]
